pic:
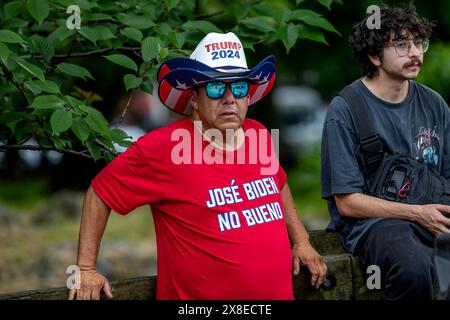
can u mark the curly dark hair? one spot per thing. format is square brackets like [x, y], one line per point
[394, 22]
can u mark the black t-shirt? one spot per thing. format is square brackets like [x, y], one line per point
[419, 125]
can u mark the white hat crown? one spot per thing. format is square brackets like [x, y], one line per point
[223, 52]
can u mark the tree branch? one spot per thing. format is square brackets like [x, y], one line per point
[87, 53]
[9, 76]
[6, 147]
[122, 116]
[209, 15]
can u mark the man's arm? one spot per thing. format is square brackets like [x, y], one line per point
[302, 251]
[93, 222]
[359, 205]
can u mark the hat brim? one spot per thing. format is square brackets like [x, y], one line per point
[178, 76]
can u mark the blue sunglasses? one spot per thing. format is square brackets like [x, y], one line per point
[216, 89]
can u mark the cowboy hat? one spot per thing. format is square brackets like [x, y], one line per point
[217, 57]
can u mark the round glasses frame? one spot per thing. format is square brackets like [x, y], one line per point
[402, 48]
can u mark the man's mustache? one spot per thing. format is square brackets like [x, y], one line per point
[413, 62]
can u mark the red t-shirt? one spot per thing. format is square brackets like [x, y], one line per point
[220, 228]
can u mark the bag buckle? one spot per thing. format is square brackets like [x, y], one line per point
[371, 150]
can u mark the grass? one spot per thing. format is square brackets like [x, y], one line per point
[23, 193]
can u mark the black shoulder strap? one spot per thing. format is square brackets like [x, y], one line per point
[371, 148]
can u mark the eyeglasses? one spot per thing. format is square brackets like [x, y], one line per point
[216, 89]
[403, 48]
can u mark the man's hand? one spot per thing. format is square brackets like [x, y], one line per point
[431, 216]
[305, 255]
[91, 285]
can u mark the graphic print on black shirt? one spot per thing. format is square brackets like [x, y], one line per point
[427, 146]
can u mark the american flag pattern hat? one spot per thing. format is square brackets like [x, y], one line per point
[217, 57]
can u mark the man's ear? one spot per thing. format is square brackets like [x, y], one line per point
[376, 61]
[194, 99]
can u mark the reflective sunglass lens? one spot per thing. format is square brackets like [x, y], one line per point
[239, 89]
[215, 90]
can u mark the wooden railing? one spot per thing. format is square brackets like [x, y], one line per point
[345, 282]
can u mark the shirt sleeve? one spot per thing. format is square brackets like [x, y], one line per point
[446, 159]
[340, 172]
[128, 182]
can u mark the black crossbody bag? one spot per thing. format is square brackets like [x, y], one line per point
[393, 176]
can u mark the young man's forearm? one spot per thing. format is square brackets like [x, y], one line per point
[431, 216]
[358, 205]
[93, 222]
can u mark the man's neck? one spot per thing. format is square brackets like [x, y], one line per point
[230, 142]
[387, 89]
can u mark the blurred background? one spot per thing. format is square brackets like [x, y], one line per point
[41, 193]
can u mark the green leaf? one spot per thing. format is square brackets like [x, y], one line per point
[201, 25]
[326, 3]
[30, 68]
[131, 81]
[281, 15]
[96, 33]
[103, 32]
[44, 48]
[4, 52]
[139, 22]
[118, 136]
[61, 120]
[94, 150]
[289, 35]
[59, 35]
[150, 48]
[46, 85]
[314, 19]
[163, 53]
[96, 121]
[260, 24]
[13, 8]
[164, 29]
[11, 119]
[80, 128]
[10, 37]
[177, 38]
[47, 102]
[171, 4]
[239, 11]
[147, 86]
[313, 34]
[33, 88]
[38, 9]
[122, 60]
[263, 9]
[74, 102]
[132, 33]
[89, 34]
[97, 17]
[74, 70]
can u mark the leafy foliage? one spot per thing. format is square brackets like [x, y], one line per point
[40, 55]
[436, 70]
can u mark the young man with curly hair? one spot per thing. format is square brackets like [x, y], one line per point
[409, 118]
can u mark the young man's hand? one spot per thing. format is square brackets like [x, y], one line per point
[91, 285]
[433, 217]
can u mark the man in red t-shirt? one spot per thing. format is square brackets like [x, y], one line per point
[226, 224]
